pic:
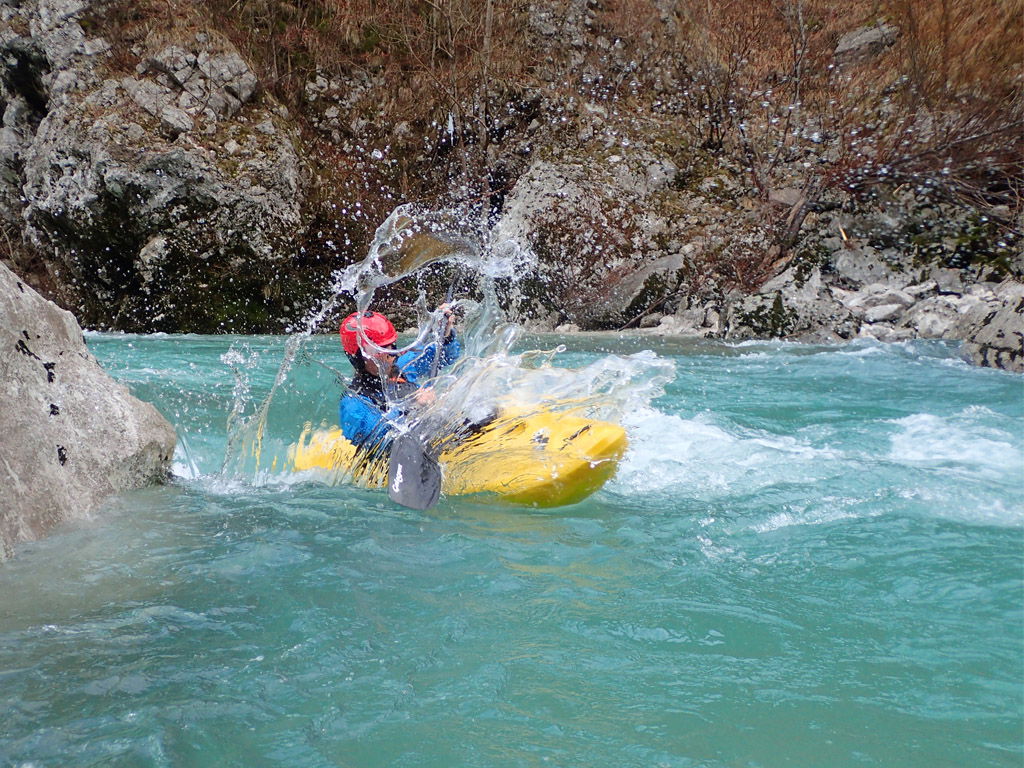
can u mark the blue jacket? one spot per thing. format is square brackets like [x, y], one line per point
[363, 422]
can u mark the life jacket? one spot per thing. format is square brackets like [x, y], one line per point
[381, 393]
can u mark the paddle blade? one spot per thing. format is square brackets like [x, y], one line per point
[414, 478]
[415, 244]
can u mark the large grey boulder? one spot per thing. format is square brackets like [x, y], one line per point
[594, 225]
[69, 434]
[859, 266]
[796, 304]
[934, 317]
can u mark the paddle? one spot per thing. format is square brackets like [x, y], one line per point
[414, 476]
[416, 244]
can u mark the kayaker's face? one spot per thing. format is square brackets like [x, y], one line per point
[379, 363]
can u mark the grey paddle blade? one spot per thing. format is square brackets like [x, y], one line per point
[417, 244]
[414, 478]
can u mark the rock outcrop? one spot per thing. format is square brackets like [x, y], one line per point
[158, 185]
[128, 182]
[595, 230]
[994, 333]
[71, 435]
[987, 317]
[792, 305]
[620, 241]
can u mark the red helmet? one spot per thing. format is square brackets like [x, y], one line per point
[373, 325]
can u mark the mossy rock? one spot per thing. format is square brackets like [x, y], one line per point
[771, 321]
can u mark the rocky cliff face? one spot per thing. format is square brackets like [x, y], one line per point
[157, 197]
[71, 435]
[601, 237]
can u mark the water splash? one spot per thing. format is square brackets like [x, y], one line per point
[489, 377]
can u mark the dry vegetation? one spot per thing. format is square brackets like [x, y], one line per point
[937, 113]
[751, 78]
[944, 100]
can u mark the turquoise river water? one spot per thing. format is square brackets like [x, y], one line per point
[810, 556]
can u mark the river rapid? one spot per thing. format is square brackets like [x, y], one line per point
[810, 556]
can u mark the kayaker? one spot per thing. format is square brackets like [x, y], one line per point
[385, 383]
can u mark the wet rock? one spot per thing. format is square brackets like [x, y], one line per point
[72, 435]
[996, 339]
[792, 305]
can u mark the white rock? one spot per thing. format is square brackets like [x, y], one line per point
[883, 313]
[922, 289]
[996, 338]
[888, 296]
[174, 121]
[1009, 291]
[660, 173]
[884, 333]
[948, 280]
[933, 318]
[875, 295]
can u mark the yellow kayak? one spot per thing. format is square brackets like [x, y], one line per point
[542, 459]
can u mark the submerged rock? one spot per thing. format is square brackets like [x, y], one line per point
[71, 435]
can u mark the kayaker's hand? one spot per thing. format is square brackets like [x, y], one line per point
[425, 396]
[449, 317]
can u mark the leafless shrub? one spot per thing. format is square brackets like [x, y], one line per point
[756, 84]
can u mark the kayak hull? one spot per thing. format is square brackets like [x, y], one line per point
[539, 459]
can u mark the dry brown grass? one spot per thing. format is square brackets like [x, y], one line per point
[743, 76]
[954, 50]
[433, 56]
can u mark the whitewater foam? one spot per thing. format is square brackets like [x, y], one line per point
[697, 456]
[967, 442]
